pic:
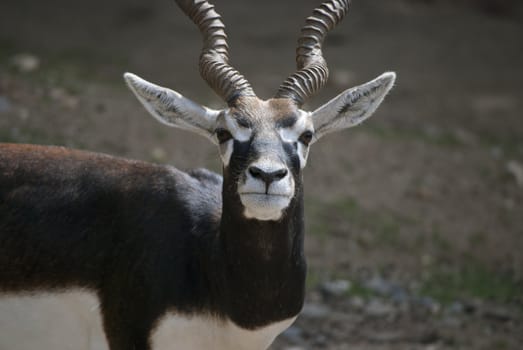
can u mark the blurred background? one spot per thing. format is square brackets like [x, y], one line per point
[415, 219]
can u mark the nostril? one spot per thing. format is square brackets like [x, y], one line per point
[255, 172]
[267, 177]
[280, 174]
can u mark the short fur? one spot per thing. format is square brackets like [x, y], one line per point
[151, 241]
[144, 235]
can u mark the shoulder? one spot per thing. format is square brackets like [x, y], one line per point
[206, 177]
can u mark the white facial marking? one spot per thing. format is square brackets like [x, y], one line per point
[303, 152]
[239, 132]
[226, 152]
[292, 134]
[264, 202]
[58, 321]
[202, 332]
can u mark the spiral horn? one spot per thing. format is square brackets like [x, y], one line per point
[226, 81]
[312, 68]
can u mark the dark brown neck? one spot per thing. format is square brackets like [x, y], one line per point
[263, 261]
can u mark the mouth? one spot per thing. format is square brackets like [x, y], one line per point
[264, 206]
[264, 195]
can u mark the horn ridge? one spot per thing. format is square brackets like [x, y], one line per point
[312, 73]
[214, 65]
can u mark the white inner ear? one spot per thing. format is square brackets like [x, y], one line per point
[352, 106]
[173, 109]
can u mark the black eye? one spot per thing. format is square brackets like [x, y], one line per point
[306, 138]
[223, 135]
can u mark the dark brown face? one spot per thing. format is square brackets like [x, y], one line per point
[264, 146]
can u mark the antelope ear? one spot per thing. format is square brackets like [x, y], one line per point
[173, 109]
[352, 106]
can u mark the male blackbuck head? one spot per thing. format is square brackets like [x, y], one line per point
[263, 143]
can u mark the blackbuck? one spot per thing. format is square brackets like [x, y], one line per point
[183, 260]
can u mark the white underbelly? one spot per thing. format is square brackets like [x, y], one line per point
[72, 321]
[60, 321]
[198, 332]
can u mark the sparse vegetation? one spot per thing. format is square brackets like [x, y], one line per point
[347, 217]
[31, 135]
[469, 280]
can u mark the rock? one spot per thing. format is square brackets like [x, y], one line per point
[456, 308]
[399, 296]
[471, 307]
[432, 347]
[314, 310]
[385, 337]
[314, 296]
[357, 302]
[293, 334]
[379, 308]
[515, 168]
[25, 62]
[379, 285]
[429, 304]
[497, 313]
[5, 105]
[335, 288]
[429, 337]
[320, 340]
[452, 322]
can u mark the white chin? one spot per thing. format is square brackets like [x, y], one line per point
[264, 207]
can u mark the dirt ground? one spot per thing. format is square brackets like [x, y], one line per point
[415, 219]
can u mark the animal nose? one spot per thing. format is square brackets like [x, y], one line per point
[267, 177]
